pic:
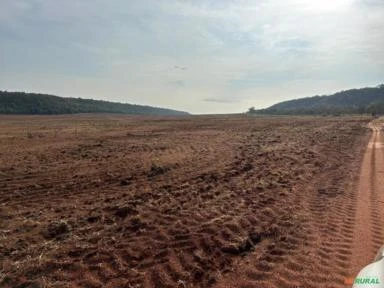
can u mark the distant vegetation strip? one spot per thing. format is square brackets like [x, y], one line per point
[32, 103]
[355, 101]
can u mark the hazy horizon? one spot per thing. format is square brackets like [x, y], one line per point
[196, 56]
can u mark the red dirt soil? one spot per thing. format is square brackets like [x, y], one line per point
[203, 201]
[369, 225]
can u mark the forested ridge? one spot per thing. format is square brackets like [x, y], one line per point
[32, 103]
[355, 101]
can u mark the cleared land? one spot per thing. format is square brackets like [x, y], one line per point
[113, 201]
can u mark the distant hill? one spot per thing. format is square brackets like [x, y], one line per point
[31, 103]
[354, 101]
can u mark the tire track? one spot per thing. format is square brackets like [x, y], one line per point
[368, 231]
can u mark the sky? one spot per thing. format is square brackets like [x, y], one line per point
[200, 56]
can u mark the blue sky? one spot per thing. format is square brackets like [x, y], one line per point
[200, 56]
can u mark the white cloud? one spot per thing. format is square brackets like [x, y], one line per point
[238, 53]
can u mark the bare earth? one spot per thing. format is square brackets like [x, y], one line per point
[369, 233]
[203, 201]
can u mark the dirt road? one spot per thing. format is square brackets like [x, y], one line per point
[369, 234]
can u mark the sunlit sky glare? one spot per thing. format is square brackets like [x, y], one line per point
[200, 56]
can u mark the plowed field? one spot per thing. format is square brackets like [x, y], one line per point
[200, 201]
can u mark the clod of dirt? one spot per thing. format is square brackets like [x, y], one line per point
[322, 191]
[247, 167]
[230, 249]
[123, 212]
[329, 191]
[29, 284]
[211, 280]
[137, 223]
[273, 231]
[157, 170]
[125, 182]
[248, 244]
[245, 246]
[256, 237]
[181, 284]
[93, 218]
[56, 230]
[197, 273]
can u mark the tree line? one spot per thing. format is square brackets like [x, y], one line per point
[32, 103]
[368, 100]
